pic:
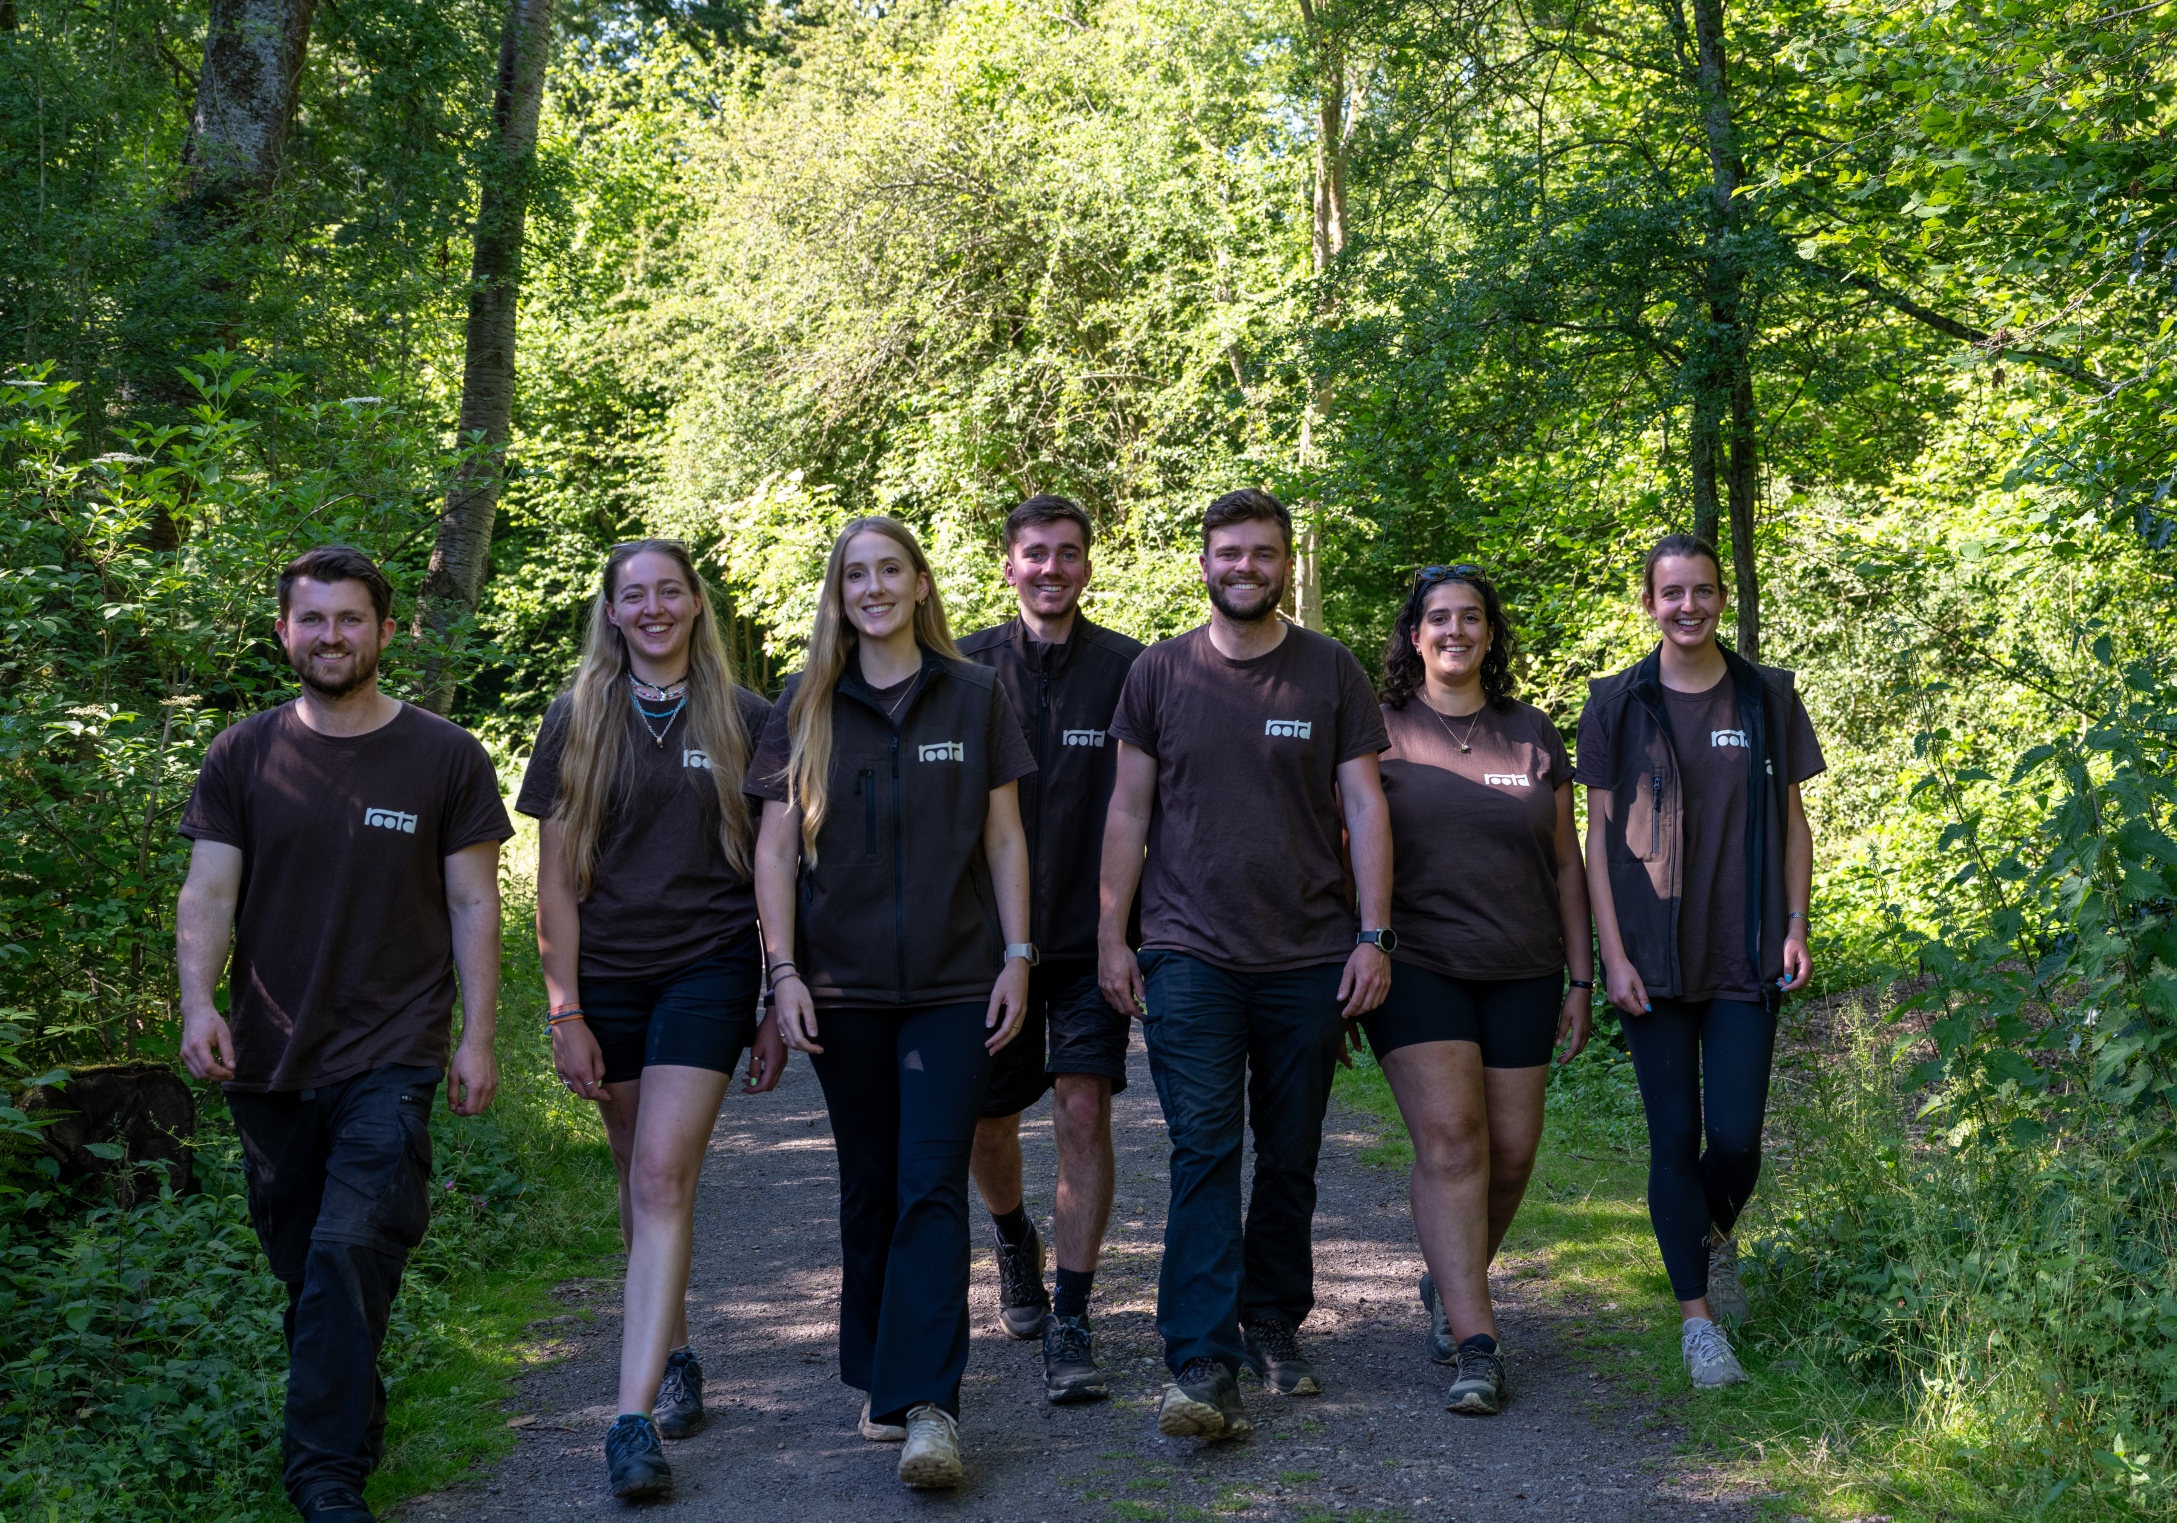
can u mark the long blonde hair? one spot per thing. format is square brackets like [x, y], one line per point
[596, 769]
[831, 641]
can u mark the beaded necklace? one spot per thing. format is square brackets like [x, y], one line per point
[642, 693]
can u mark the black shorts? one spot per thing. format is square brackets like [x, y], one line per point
[700, 1016]
[1070, 1029]
[1513, 1020]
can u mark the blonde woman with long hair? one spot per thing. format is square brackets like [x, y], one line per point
[646, 919]
[892, 875]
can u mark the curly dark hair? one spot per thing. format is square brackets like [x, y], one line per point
[1402, 669]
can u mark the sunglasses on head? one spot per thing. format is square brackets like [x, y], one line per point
[1428, 576]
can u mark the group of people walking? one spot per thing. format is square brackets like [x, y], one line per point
[954, 874]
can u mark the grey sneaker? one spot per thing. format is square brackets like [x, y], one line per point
[1273, 1352]
[1708, 1355]
[1204, 1402]
[679, 1409]
[931, 1460]
[1069, 1362]
[880, 1433]
[1023, 1303]
[1479, 1390]
[1726, 1296]
[1442, 1348]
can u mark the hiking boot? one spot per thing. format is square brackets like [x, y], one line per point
[1726, 1296]
[880, 1433]
[635, 1458]
[931, 1459]
[679, 1409]
[1069, 1362]
[335, 1504]
[1273, 1352]
[1023, 1303]
[1203, 1403]
[1708, 1355]
[1442, 1348]
[1480, 1387]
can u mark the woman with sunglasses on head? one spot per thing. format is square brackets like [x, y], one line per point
[892, 873]
[1489, 905]
[646, 921]
[1701, 865]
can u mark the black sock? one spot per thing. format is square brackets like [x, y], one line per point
[1071, 1297]
[1481, 1343]
[1014, 1226]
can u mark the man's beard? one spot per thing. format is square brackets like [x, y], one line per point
[365, 668]
[1222, 600]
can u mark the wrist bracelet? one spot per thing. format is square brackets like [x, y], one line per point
[1577, 984]
[1796, 915]
[791, 973]
[562, 1015]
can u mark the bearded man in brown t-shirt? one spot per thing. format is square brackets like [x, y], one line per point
[347, 852]
[1246, 748]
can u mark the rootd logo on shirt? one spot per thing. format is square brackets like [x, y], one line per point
[943, 750]
[693, 758]
[390, 819]
[1297, 729]
[1727, 737]
[1081, 737]
[1506, 780]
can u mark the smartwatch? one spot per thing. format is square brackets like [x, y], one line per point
[1025, 951]
[1384, 941]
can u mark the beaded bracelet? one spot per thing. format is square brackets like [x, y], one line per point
[560, 1013]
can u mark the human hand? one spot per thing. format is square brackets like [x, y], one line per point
[473, 1080]
[1008, 1003]
[1366, 981]
[579, 1060]
[795, 1013]
[766, 1058]
[1575, 1023]
[1624, 987]
[1118, 974]
[207, 1046]
[1798, 964]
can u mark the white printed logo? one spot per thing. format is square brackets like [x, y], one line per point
[1081, 737]
[1297, 729]
[1727, 737]
[1506, 780]
[390, 819]
[944, 750]
[695, 759]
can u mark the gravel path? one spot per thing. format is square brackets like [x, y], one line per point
[781, 1445]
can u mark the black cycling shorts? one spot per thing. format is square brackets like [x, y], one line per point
[1070, 1029]
[700, 1016]
[1513, 1020]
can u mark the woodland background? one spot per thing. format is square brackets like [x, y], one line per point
[1880, 292]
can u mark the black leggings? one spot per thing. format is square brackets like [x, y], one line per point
[1704, 1061]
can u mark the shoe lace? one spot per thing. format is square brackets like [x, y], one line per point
[1277, 1340]
[1478, 1364]
[632, 1433]
[1015, 1273]
[1706, 1342]
[1070, 1341]
[929, 1413]
[673, 1389]
[1198, 1371]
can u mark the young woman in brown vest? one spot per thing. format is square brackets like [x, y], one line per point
[892, 875]
[1700, 864]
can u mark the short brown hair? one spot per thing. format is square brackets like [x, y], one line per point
[1684, 547]
[1247, 505]
[1047, 508]
[337, 563]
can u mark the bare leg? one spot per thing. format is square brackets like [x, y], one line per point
[995, 1162]
[620, 1108]
[1081, 1116]
[1441, 1095]
[680, 1106]
[1515, 1097]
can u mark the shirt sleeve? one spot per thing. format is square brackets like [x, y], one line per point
[1593, 768]
[1804, 757]
[1360, 717]
[474, 810]
[214, 812]
[1553, 744]
[1135, 719]
[766, 777]
[1007, 745]
[540, 783]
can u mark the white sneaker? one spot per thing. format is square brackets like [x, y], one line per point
[1726, 1296]
[932, 1456]
[881, 1433]
[1708, 1355]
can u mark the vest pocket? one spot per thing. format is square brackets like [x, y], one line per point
[865, 786]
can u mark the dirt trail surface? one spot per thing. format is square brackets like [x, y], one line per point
[781, 1444]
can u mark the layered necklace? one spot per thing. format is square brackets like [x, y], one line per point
[657, 707]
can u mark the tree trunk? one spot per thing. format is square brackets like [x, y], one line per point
[462, 553]
[237, 141]
[1726, 389]
[1333, 125]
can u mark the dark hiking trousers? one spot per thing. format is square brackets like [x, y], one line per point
[904, 1088]
[1703, 1069]
[339, 1192]
[1215, 1037]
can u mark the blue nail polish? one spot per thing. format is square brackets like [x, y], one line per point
[1647, 1009]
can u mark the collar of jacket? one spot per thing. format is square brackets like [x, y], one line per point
[852, 685]
[1648, 685]
[1061, 655]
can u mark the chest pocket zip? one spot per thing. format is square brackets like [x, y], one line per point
[1655, 818]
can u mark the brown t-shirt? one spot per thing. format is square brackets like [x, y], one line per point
[662, 897]
[1474, 840]
[1714, 780]
[343, 949]
[1246, 866]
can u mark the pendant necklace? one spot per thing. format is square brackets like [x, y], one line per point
[1465, 746]
[675, 694]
